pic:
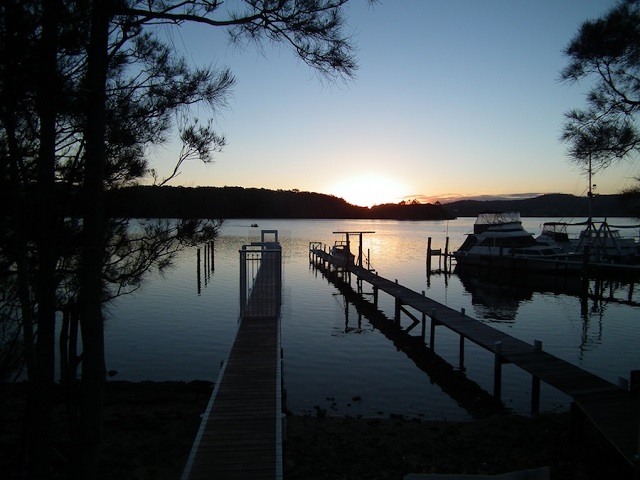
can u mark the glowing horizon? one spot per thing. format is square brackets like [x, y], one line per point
[455, 100]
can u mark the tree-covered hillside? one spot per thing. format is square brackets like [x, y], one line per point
[238, 202]
[552, 205]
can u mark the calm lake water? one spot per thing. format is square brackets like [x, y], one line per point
[176, 328]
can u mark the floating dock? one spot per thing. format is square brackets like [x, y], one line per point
[241, 432]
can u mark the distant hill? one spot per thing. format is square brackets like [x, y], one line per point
[552, 205]
[238, 202]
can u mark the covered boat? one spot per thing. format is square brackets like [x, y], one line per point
[341, 254]
[498, 237]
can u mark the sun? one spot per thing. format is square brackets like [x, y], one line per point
[369, 190]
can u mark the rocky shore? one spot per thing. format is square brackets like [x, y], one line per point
[149, 428]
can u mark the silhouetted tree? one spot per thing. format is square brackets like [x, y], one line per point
[312, 28]
[85, 89]
[607, 52]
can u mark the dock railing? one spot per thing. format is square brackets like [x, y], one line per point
[261, 276]
[241, 432]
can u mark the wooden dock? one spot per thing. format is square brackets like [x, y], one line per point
[240, 435]
[611, 409]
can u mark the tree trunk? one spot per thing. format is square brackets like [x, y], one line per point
[17, 187]
[93, 364]
[43, 380]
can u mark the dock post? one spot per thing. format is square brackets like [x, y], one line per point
[205, 264]
[213, 255]
[636, 373]
[623, 383]
[432, 333]
[446, 254]
[497, 371]
[535, 383]
[428, 255]
[577, 422]
[325, 262]
[638, 450]
[198, 273]
[424, 322]
[634, 382]
[243, 278]
[375, 295]
[397, 311]
[461, 347]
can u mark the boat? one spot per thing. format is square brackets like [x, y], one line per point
[341, 254]
[556, 234]
[498, 238]
[598, 241]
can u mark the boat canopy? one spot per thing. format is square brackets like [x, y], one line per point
[497, 218]
[489, 219]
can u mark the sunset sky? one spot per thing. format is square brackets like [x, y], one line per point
[453, 98]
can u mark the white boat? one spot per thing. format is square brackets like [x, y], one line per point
[556, 234]
[498, 238]
[600, 241]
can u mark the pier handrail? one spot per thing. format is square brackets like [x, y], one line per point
[253, 258]
[246, 404]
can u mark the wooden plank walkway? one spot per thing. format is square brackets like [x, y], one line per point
[240, 436]
[611, 409]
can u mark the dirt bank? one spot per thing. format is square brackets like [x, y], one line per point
[149, 428]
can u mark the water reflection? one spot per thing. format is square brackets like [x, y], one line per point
[167, 331]
[208, 265]
[350, 326]
[467, 393]
[496, 298]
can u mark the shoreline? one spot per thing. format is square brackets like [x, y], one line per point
[149, 428]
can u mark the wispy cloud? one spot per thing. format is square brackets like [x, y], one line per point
[454, 197]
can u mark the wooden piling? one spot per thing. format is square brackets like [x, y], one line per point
[207, 263]
[535, 383]
[497, 371]
[424, 322]
[446, 255]
[199, 279]
[398, 305]
[212, 245]
[461, 346]
[432, 332]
